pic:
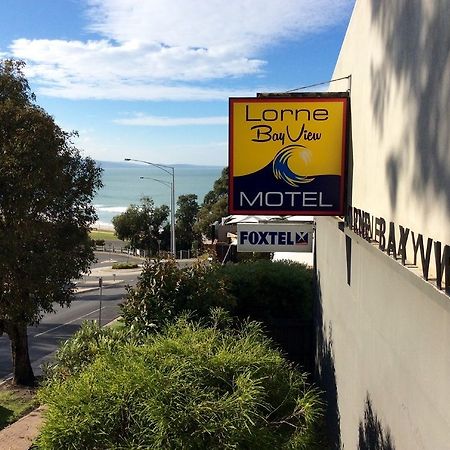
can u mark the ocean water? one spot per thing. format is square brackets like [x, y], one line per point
[122, 186]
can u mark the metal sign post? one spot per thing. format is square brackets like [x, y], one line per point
[100, 286]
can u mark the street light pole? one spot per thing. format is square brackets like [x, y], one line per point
[169, 184]
[171, 171]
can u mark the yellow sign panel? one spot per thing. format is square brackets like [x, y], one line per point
[287, 155]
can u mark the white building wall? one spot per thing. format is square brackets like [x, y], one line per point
[388, 330]
[398, 54]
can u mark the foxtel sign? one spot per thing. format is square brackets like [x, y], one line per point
[287, 155]
[275, 237]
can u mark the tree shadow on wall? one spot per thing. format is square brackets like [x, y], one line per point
[325, 371]
[416, 57]
[372, 435]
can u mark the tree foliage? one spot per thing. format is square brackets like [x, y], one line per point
[46, 189]
[144, 225]
[186, 217]
[215, 204]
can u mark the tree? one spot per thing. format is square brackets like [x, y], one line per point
[46, 189]
[186, 217]
[144, 225]
[215, 204]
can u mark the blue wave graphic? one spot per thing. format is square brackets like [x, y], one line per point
[254, 186]
[280, 164]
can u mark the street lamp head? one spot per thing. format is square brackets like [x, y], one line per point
[171, 171]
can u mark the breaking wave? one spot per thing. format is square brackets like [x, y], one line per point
[281, 169]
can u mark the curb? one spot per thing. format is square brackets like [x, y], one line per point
[96, 288]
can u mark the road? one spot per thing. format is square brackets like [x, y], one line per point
[54, 328]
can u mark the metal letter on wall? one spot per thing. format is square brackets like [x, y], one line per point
[287, 155]
[275, 237]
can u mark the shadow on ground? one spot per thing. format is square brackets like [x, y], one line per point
[5, 416]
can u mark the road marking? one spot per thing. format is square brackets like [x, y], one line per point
[8, 377]
[67, 323]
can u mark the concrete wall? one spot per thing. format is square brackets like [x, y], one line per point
[398, 55]
[383, 331]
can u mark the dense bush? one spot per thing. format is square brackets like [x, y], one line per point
[262, 290]
[164, 291]
[265, 290]
[189, 387]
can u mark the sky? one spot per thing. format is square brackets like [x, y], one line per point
[151, 79]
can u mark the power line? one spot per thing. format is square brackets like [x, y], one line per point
[318, 84]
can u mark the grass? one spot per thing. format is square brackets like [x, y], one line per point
[105, 235]
[15, 402]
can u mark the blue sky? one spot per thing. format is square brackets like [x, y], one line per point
[150, 79]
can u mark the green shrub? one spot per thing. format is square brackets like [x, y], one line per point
[125, 265]
[253, 256]
[266, 290]
[164, 291]
[190, 387]
[262, 290]
[83, 347]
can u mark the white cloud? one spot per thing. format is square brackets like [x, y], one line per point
[102, 60]
[154, 121]
[158, 49]
[116, 90]
[231, 25]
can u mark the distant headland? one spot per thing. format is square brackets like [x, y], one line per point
[127, 165]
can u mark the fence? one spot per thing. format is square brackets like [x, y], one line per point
[181, 254]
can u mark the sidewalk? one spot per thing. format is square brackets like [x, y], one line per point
[21, 434]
